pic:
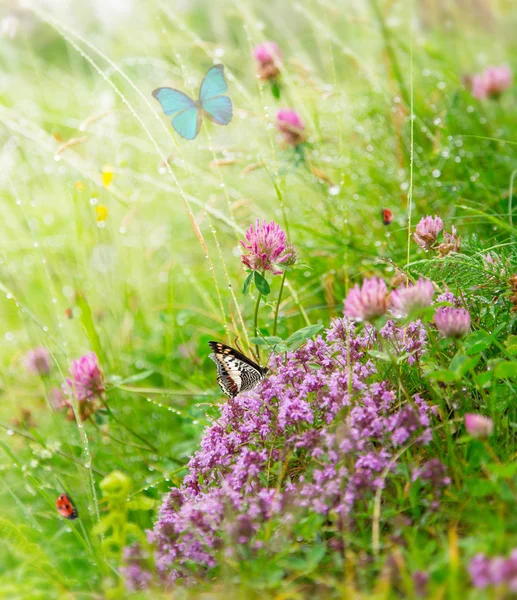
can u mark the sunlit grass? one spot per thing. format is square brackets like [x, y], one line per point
[147, 286]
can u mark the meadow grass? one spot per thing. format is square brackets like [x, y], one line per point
[389, 123]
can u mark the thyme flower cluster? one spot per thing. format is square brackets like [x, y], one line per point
[317, 437]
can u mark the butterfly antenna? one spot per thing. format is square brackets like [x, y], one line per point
[236, 342]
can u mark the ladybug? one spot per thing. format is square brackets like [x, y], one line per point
[387, 216]
[65, 507]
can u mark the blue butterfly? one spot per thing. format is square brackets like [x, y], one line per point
[186, 114]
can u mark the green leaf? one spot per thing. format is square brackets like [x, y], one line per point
[271, 340]
[506, 471]
[303, 334]
[133, 378]
[141, 503]
[262, 284]
[444, 376]
[247, 283]
[461, 364]
[384, 356]
[511, 344]
[88, 325]
[477, 342]
[506, 370]
[484, 379]
[275, 90]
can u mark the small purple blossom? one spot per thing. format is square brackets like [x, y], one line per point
[420, 581]
[427, 232]
[452, 322]
[448, 297]
[86, 380]
[319, 421]
[38, 361]
[137, 576]
[291, 126]
[433, 473]
[497, 571]
[479, 570]
[367, 302]
[491, 82]
[405, 300]
[265, 247]
[478, 426]
[411, 339]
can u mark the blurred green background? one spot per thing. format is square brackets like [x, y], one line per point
[120, 237]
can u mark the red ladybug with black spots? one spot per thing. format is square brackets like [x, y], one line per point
[387, 216]
[65, 507]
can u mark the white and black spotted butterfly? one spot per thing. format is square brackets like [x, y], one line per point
[236, 372]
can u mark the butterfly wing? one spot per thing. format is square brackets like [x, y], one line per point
[236, 372]
[186, 116]
[173, 101]
[217, 108]
[213, 84]
[188, 122]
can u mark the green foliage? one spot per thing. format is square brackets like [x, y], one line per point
[150, 285]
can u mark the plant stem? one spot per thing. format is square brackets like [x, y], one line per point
[255, 322]
[278, 302]
[130, 430]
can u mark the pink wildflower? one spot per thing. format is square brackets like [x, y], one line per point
[265, 247]
[266, 52]
[86, 379]
[427, 231]
[405, 300]
[37, 361]
[478, 426]
[492, 82]
[451, 243]
[367, 302]
[268, 56]
[452, 322]
[291, 126]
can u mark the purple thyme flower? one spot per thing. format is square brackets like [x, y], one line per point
[37, 361]
[265, 247]
[420, 581]
[479, 570]
[367, 302]
[410, 339]
[498, 571]
[405, 300]
[478, 426]
[136, 576]
[86, 379]
[334, 459]
[291, 126]
[491, 82]
[268, 56]
[448, 297]
[452, 322]
[427, 231]
[434, 474]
